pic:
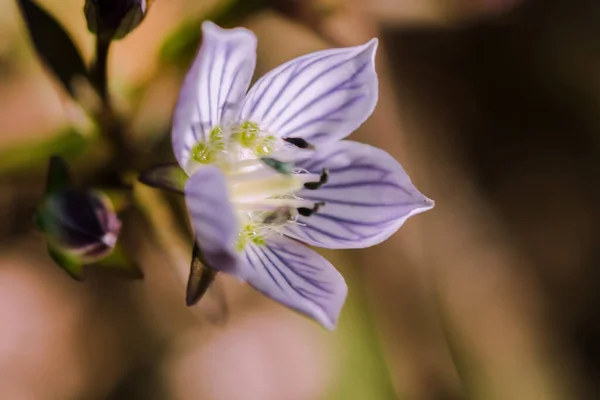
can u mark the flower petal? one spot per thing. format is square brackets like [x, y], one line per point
[214, 87]
[367, 198]
[319, 97]
[213, 219]
[297, 277]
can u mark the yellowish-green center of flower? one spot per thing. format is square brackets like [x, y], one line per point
[262, 190]
[248, 135]
[250, 233]
[207, 152]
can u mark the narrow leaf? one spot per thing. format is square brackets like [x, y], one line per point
[120, 264]
[53, 45]
[201, 277]
[168, 177]
[67, 263]
[58, 175]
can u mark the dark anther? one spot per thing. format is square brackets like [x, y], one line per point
[279, 166]
[323, 180]
[307, 212]
[299, 142]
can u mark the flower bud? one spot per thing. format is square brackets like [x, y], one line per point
[114, 19]
[80, 225]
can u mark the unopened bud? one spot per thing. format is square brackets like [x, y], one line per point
[79, 224]
[114, 19]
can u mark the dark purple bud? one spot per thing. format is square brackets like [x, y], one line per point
[114, 19]
[81, 224]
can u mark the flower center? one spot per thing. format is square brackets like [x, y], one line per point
[249, 136]
[262, 189]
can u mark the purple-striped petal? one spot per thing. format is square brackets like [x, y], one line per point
[367, 198]
[320, 97]
[214, 88]
[213, 219]
[297, 277]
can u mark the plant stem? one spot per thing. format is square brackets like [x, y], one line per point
[110, 124]
[100, 75]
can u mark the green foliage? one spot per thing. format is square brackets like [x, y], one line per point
[119, 263]
[168, 177]
[364, 373]
[58, 175]
[54, 45]
[33, 155]
[68, 263]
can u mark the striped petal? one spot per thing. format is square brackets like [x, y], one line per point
[367, 198]
[320, 97]
[214, 88]
[213, 219]
[297, 277]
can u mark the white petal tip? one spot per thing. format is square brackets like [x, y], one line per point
[428, 203]
[324, 319]
[329, 325]
[212, 29]
[373, 43]
[370, 46]
[209, 25]
[425, 205]
[109, 239]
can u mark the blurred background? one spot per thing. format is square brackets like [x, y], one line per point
[492, 106]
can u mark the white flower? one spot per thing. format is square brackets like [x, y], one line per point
[267, 166]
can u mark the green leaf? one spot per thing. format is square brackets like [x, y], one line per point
[54, 45]
[45, 222]
[168, 177]
[67, 263]
[119, 263]
[33, 155]
[58, 175]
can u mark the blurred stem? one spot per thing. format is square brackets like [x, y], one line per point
[110, 125]
[364, 372]
[159, 215]
[100, 74]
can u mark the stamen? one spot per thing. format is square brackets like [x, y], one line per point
[272, 204]
[316, 185]
[207, 152]
[307, 212]
[249, 135]
[299, 142]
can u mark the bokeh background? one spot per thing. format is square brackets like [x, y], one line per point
[492, 106]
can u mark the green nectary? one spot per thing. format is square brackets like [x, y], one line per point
[206, 153]
[247, 134]
[247, 234]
